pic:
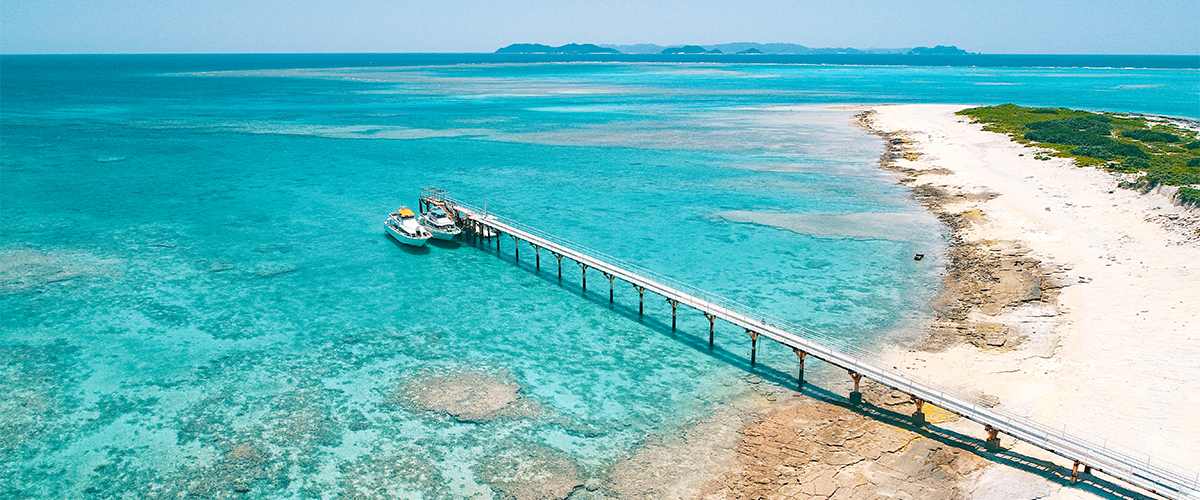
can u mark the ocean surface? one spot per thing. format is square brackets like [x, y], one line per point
[198, 298]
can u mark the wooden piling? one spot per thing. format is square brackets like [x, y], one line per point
[585, 268]
[641, 297]
[800, 376]
[856, 396]
[610, 286]
[711, 328]
[674, 305]
[993, 440]
[753, 345]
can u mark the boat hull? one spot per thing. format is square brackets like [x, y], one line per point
[442, 236]
[407, 240]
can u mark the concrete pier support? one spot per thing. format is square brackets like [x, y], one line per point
[800, 376]
[711, 328]
[918, 417]
[1075, 472]
[517, 247]
[674, 305]
[856, 396]
[610, 286]
[641, 297]
[497, 242]
[993, 440]
[753, 345]
[585, 268]
[559, 257]
[537, 257]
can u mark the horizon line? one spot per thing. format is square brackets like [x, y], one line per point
[601, 54]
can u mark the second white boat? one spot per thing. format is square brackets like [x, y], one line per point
[439, 224]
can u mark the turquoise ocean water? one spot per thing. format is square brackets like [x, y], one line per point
[198, 297]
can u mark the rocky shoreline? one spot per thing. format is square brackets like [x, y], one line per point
[984, 277]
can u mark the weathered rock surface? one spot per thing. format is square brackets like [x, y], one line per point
[809, 449]
[984, 278]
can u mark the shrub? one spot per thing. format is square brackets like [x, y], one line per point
[1194, 162]
[1123, 149]
[1044, 111]
[1192, 145]
[1150, 136]
[1097, 152]
[1130, 165]
[1188, 197]
[1171, 178]
[1091, 130]
[1068, 137]
[1096, 124]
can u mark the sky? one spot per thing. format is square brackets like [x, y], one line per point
[230, 26]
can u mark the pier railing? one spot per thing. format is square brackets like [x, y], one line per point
[1123, 463]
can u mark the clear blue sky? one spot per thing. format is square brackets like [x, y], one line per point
[989, 26]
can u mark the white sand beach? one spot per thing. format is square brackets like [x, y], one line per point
[1117, 355]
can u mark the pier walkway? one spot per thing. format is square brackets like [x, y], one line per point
[1087, 454]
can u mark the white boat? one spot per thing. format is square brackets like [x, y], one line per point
[439, 224]
[403, 226]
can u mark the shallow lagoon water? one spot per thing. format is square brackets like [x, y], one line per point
[198, 296]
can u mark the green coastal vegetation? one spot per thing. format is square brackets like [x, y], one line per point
[1148, 151]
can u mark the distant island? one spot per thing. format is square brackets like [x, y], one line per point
[751, 48]
[690, 49]
[940, 50]
[736, 48]
[570, 48]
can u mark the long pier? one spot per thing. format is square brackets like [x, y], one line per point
[1087, 454]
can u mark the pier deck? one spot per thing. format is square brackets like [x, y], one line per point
[1131, 467]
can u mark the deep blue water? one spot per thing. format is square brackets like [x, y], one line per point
[198, 296]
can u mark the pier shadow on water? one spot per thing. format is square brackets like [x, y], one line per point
[736, 353]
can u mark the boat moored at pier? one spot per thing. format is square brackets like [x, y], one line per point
[403, 226]
[439, 224]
